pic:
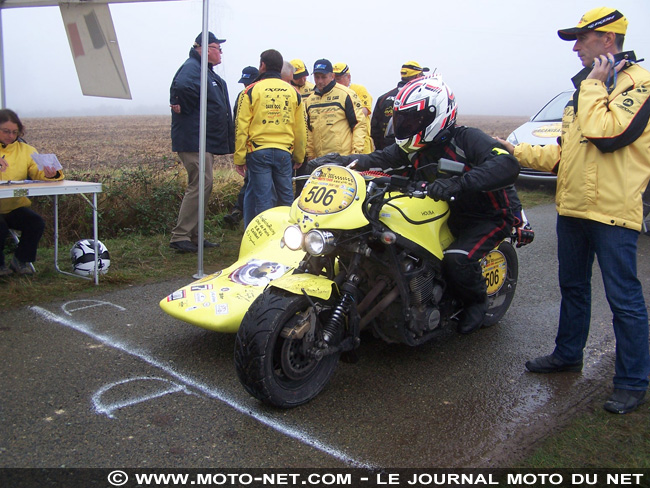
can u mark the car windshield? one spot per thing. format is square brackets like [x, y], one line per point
[554, 109]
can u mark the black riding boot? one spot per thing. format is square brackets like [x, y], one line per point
[472, 317]
[468, 284]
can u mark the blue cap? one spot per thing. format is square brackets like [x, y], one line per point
[248, 75]
[323, 66]
[212, 39]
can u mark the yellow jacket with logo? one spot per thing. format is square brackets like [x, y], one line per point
[366, 102]
[306, 90]
[335, 122]
[603, 160]
[270, 115]
[18, 156]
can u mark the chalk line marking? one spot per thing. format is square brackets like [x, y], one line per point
[108, 408]
[211, 392]
[91, 304]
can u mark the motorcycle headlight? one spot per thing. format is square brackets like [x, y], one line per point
[318, 242]
[293, 237]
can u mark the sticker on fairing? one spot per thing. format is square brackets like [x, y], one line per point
[495, 268]
[328, 190]
[257, 272]
[177, 295]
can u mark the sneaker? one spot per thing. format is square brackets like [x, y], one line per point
[5, 271]
[20, 267]
[551, 364]
[184, 246]
[624, 401]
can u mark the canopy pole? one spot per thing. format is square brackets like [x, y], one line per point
[203, 103]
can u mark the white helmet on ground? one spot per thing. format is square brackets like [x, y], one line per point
[82, 255]
[424, 110]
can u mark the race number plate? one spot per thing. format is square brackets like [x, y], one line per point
[495, 268]
[329, 189]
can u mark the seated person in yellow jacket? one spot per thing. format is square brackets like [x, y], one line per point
[16, 163]
[269, 133]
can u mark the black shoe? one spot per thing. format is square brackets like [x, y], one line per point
[184, 246]
[233, 218]
[551, 364]
[207, 244]
[625, 401]
[472, 317]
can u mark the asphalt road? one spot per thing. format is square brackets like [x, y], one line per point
[115, 382]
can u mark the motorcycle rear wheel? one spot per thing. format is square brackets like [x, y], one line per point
[499, 303]
[274, 368]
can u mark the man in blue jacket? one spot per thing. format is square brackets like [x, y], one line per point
[220, 136]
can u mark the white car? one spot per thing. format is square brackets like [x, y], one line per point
[543, 128]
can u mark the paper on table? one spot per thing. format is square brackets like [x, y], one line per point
[46, 160]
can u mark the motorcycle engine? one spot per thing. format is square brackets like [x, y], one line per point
[426, 292]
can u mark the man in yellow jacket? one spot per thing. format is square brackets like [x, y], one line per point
[603, 167]
[335, 121]
[269, 132]
[300, 82]
[344, 77]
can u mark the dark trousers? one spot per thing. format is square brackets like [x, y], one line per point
[30, 225]
[579, 242]
[461, 264]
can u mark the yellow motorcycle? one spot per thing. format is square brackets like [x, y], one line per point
[355, 251]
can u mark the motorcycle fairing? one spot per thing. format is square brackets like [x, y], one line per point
[315, 286]
[330, 190]
[433, 234]
[220, 300]
[265, 227]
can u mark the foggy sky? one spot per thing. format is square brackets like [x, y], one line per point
[500, 57]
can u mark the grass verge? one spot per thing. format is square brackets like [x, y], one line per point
[135, 260]
[597, 439]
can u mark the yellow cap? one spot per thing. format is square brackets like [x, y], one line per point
[411, 69]
[602, 19]
[341, 68]
[300, 68]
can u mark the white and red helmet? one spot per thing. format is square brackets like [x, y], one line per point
[423, 110]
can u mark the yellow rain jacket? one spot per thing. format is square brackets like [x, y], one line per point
[603, 160]
[366, 102]
[21, 167]
[270, 115]
[306, 90]
[335, 121]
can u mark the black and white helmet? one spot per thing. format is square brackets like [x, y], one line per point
[82, 255]
[423, 111]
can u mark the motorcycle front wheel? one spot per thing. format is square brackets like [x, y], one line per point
[272, 362]
[499, 302]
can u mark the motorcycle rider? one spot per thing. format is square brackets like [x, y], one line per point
[481, 200]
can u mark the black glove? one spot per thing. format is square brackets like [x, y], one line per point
[523, 235]
[329, 158]
[445, 188]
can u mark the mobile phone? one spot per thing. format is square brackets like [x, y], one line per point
[618, 57]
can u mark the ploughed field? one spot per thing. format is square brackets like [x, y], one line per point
[93, 143]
